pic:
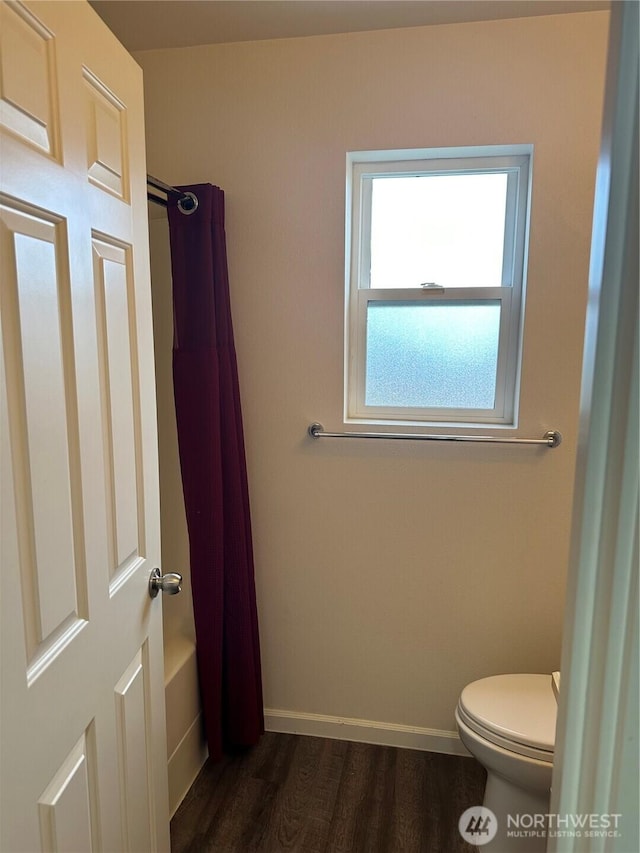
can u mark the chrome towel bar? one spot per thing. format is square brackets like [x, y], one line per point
[552, 438]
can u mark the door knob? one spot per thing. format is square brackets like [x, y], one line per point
[170, 583]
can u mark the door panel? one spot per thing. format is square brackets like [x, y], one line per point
[132, 702]
[43, 422]
[83, 755]
[107, 143]
[68, 807]
[28, 80]
[116, 344]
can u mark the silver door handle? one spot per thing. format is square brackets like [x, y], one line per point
[170, 583]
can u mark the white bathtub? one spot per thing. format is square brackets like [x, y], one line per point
[186, 747]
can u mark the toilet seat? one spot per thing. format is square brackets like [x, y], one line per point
[515, 712]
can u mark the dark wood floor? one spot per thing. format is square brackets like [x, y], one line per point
[313, 795]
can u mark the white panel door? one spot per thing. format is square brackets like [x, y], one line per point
[83, 754]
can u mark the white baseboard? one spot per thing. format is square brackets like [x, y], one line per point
[364, 731]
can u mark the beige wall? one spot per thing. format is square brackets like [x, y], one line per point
[389, 574]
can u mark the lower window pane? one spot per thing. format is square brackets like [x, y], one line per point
[428, 355]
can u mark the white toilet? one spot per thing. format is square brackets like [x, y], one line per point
[508, 722]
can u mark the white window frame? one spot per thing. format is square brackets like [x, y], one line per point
[362, 167]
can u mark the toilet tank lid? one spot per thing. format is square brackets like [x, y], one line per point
[520, 707]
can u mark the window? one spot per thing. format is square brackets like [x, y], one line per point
[436, 248]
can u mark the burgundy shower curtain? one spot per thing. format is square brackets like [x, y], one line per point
[214, 476]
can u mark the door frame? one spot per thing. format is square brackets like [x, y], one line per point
[595, 771]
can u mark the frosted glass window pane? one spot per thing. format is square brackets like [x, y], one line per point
[433, 356]
[447, 229]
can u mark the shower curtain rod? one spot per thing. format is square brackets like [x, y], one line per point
[187, 202]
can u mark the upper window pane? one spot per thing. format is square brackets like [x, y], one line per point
[448, 229]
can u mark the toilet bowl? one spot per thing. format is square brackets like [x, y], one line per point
[507, 722]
